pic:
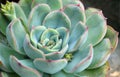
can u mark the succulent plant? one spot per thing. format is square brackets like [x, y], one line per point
[54, 38]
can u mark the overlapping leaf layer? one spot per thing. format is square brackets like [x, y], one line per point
[54, 38]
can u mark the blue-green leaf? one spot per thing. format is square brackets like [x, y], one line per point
[37, 15]
[20, 14]
[5, 53]
[91, 11]
[56, 19]
[35, 34]
[15, 35]
[32, 51]
[50, 66]
[102, 52]
[98, 72]
[75, 13]
[80, 61]
[54, 4]
[48, 33]
[24, 68]
[26, 6]
[64, 35]
[77, 2]
[113, 37]
[57, 55]
[96, 28]
[78, 36]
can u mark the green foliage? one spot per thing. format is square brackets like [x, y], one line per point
[54, 38]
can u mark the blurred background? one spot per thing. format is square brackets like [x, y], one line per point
[111, 10]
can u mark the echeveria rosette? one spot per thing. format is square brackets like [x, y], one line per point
[54, 38]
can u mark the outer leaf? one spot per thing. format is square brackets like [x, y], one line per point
[15, 34]
[75, 13]
[113, 36]
[78, 36]
[54, 4]
[26, 6]
[24, 68]
[80, 61]
[98, 72]
[5, 53]
[102, 52]
[32, 51]
[20, 13]
[50, 66]
[56, 19]
[38, 14]
[67, 2]
[90, 11]
[3, 23]
[96, 28]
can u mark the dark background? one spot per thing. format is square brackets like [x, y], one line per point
[110, 8]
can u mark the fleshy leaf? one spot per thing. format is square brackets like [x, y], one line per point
[50, 66]
[113, 37]
[35, 34]
[5, 53]
[37, 15]
[80, 61]
[54, 4]
[78, 36]
[98, 72]
[15, 35]
[78, 2]
[90, 11]
[20, 14]
[96, 28]
[24, 68]
[75, 13]
[3, 23]
[57, 55]
[30, 50]
[102, 52]
[56, 19]
[26, 6]
[64, 35]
